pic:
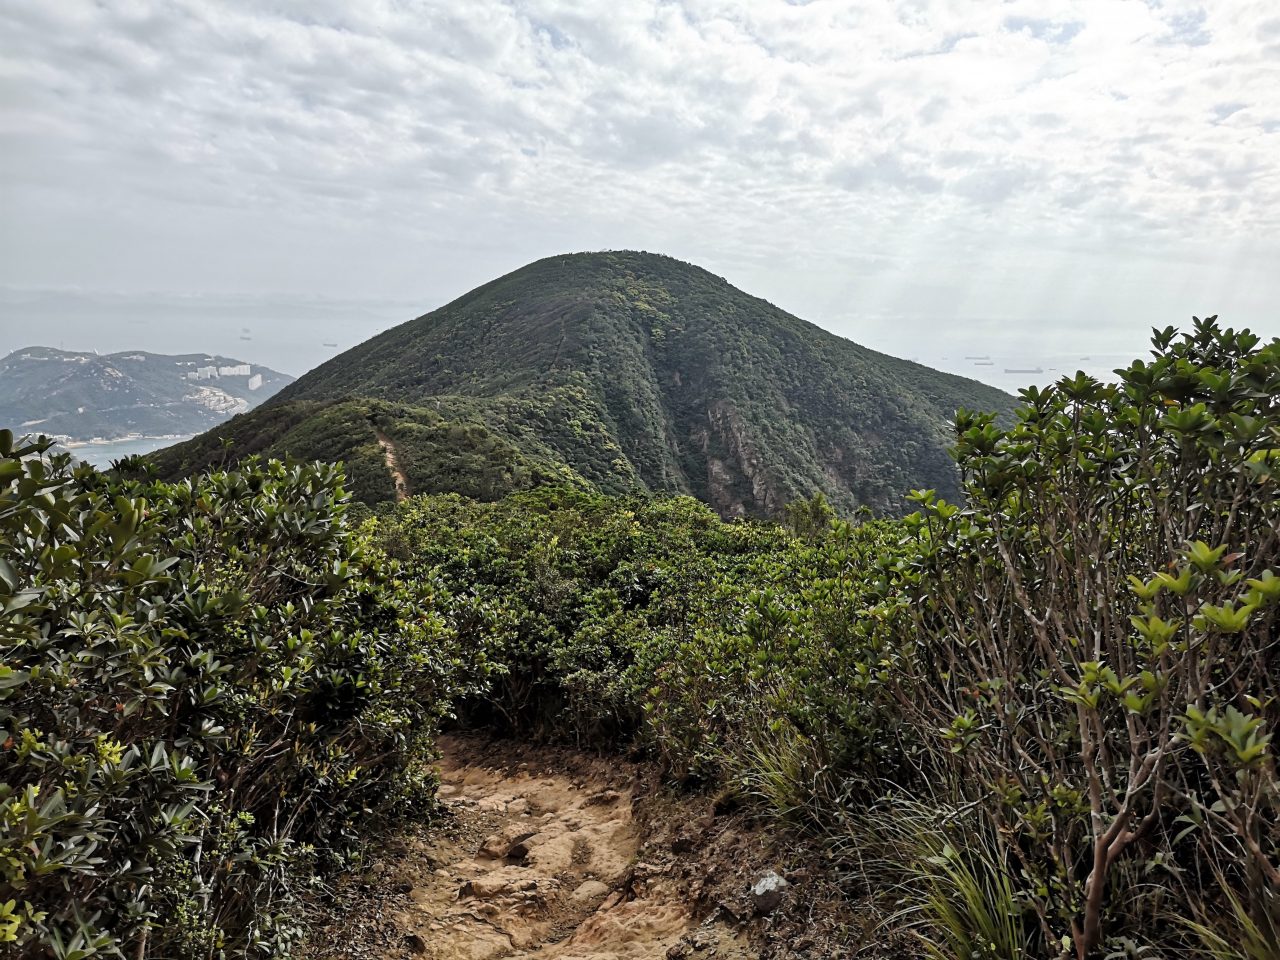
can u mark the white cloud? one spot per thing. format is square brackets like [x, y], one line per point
[1067, 168]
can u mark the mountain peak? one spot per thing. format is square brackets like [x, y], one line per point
[625, 371]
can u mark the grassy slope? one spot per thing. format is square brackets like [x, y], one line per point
[637, 372]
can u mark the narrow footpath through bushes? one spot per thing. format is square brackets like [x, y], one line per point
[548, 853]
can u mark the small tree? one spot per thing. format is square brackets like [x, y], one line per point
[809, 520]
[1094, 635]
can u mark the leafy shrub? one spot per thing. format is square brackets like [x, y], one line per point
[1094, 634]
[564, 594]
[205, 688]
[728, 648]
[772, 683]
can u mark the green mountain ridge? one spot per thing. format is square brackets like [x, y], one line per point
[82, 395]
[624, 372]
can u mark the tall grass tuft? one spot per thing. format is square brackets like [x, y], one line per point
[1235, 933]
[949, 875]
[786, 771]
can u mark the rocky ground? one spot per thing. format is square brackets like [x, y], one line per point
[547, 853]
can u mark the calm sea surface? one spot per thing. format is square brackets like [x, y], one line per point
[101, 454]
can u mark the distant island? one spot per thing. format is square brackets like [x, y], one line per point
[126, 401]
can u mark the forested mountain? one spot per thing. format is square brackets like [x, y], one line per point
[624, 372]
[84, 395]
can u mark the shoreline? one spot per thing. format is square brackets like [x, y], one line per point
[131, 438]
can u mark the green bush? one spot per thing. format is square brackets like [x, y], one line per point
[1094, 634]
[727, 649]
[206, 688]
[565, 595]
[771, 681]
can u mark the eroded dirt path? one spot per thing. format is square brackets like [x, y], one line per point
[536, 863]
[393, 465]
[545, 865]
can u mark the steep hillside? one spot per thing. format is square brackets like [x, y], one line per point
[629, 372]
[86, 395]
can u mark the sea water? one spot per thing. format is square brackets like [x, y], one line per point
[101, 454]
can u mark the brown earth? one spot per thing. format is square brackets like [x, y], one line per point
[551, 854]
[392, 458]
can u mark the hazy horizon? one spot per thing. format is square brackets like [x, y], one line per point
[294, 335]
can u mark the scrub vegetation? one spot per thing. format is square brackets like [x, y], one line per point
[1032, 718]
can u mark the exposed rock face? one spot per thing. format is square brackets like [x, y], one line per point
[742, 469]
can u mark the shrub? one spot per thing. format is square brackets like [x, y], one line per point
[773, 682]
[205, 688]
[1094, 634]
[565, 596]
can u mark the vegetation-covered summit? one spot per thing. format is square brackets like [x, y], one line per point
[626, 372]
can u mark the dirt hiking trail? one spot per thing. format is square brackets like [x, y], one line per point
[554, 856]
[392, 458]
[554, 875]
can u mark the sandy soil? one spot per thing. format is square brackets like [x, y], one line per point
[553, 875]
[550, 854]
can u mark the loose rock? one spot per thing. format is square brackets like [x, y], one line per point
[767, 892]
[500, 845]
[589, 890]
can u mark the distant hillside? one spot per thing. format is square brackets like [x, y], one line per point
[625, 372]
[85, 395]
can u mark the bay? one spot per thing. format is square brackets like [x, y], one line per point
[101, 454]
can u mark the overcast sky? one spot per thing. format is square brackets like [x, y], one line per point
[1037, 181]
